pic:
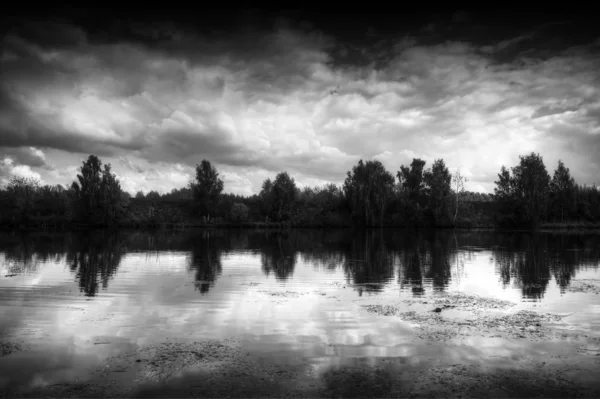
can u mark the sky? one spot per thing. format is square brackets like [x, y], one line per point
[257, 92]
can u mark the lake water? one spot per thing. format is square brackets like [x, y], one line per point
[73, 305]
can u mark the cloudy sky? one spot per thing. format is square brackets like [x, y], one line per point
[257, 92]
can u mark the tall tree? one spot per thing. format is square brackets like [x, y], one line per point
[368, 188]
[504, 185]
[111, 198]
[266, 197]
[411, 179]
[98, 192]
[437, 181]
[524, 193]
[87, 189]
[207, 187]
[411, 192]
[284, 193]
[562, 190]
[532, 184]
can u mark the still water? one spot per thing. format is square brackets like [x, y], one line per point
[72, 300]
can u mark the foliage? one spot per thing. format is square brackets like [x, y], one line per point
[531, 181]
[524, 196]
[283, 195]
[24, 191]
[206, 188]
[179, 194]
[437, 181]
[562, 192]
[368, 189]
[113, 199]
[266, 197]
[412, 191]
[153, 196]
[239, 212]
[87, 189]
[99, 198]
[411, 179]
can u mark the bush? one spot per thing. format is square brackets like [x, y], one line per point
[239, 212]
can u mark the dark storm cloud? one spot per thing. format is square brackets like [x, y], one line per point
[29, 156]
[260, 98]
[51, 34]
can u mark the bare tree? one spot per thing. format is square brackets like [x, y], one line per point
[458, 184]
[24, 191]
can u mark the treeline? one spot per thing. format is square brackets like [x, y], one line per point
[370, 196]
[528, 196]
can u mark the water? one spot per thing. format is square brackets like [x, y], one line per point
[72, 301]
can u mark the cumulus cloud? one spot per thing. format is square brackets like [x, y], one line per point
[257, 102]
[9, 169]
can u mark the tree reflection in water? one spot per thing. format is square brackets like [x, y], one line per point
[368, 258]
[205, 258]
[441, 257]
[25, 252]
[531, 260]
[369, 263]
[425, 257]
[412, 252]
[278, 254]
[94, 257]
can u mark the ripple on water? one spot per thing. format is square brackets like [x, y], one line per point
[302, 300]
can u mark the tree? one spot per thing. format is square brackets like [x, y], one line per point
[239, 212]
[411, 179]
[368, 188]
[88, 187]
[588, 202]
[266, 197]
[98, 192]
[207, 187]
[458, 184]
[52, 200]
[181, 194]
[329, 197]
[153, 196]
[562, 190]
[284, 193]
[23, 191]
[532, 183]
[523, 195]
[111, 195]
[411, 190]
[140, 195]
[437, 181]
[504, 185]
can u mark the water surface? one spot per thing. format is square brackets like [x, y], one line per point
[71, 301]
